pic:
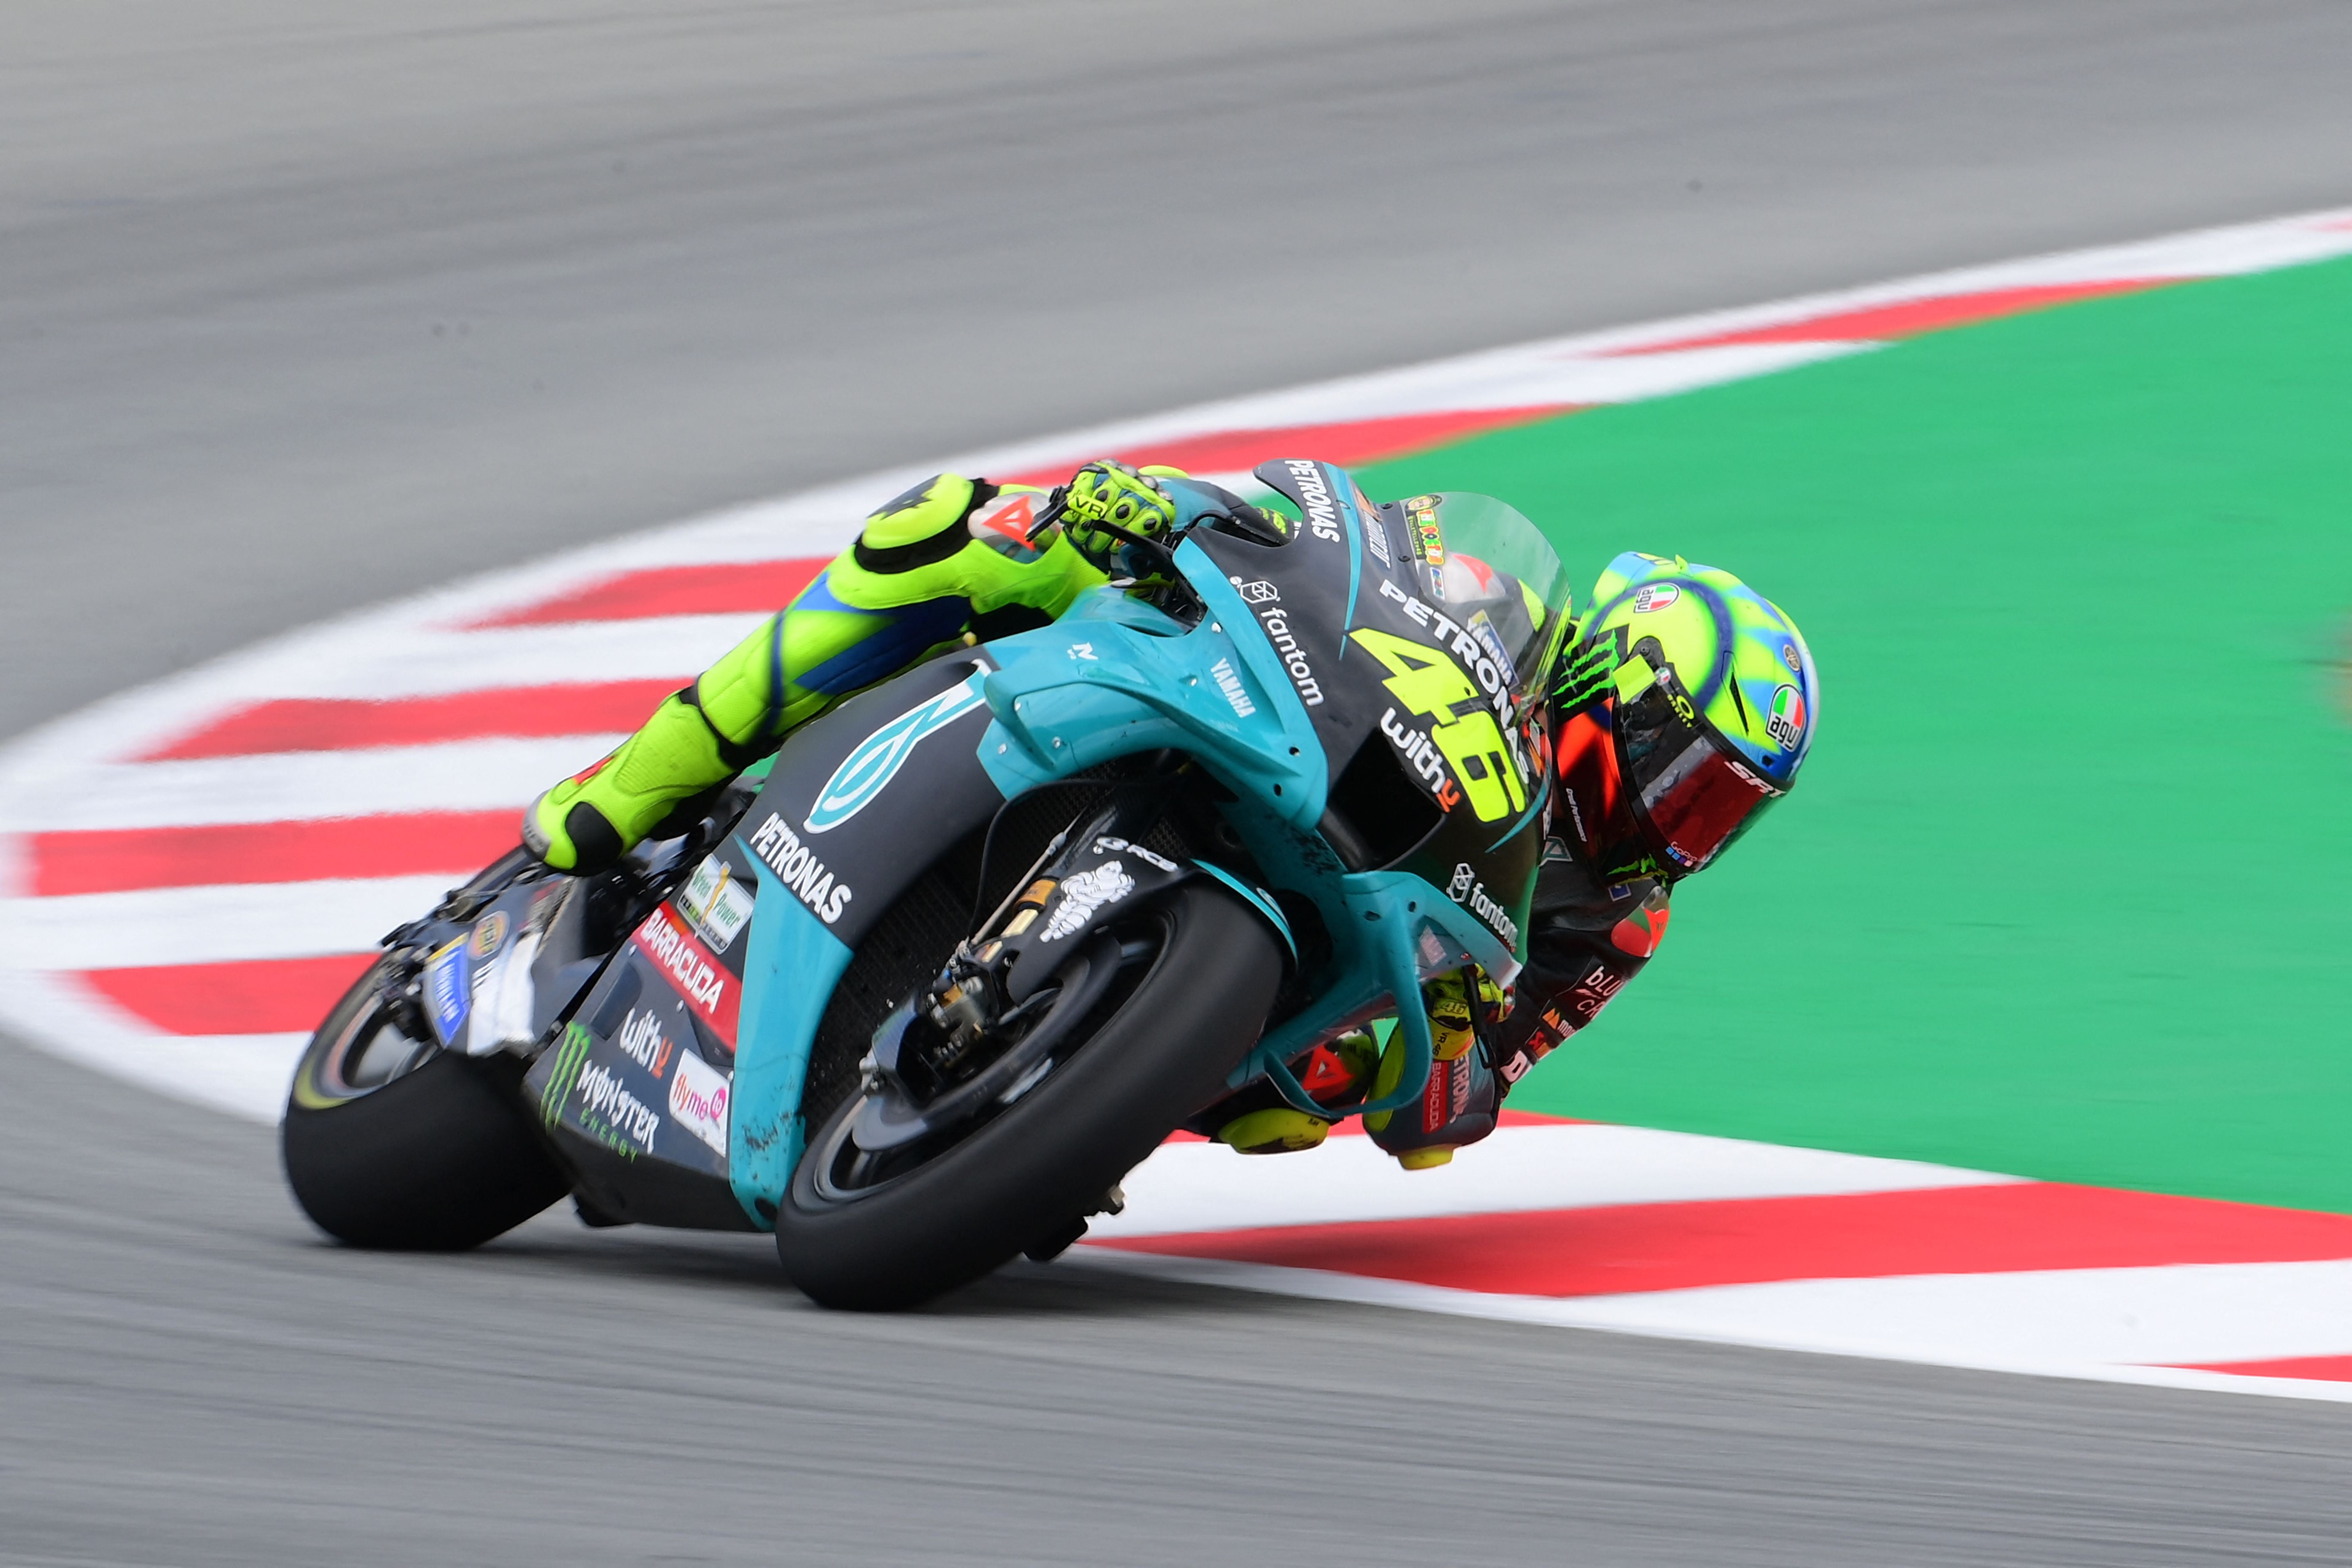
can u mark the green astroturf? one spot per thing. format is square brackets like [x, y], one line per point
[2066, 889]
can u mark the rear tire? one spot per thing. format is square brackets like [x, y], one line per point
[1025, 1177]
[425, 1151]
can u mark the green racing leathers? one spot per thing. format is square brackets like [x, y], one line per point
[928, 571]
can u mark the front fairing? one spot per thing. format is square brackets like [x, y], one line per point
[675, 1092]
[1318, 664]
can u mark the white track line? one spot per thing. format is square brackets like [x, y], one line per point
[298, 786]
[401, 660]
[1206, 1186]
[212, 924]
[244, 1076]
[2108, 1325]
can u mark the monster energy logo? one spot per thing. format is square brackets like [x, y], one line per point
[571, 1056]
[1586, 675]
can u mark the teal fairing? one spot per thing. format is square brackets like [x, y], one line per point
[1117, 678]
[789, 975]
[1114, 678]
[786, 1008]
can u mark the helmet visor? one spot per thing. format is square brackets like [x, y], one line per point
[1691, 791]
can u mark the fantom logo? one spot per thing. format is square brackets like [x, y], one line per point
[877, 758]
[1465, 888]
[1267, 600]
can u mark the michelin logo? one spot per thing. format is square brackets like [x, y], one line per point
[1084, 893]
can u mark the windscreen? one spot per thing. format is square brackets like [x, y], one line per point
[1491, 566]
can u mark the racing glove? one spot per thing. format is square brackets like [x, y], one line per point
[1108, 492]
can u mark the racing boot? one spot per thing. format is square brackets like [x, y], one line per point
[925, 567]
[590, 820]
[1465, 1096]
[1335, 1074]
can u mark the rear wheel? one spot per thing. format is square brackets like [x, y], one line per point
[389, 1141]
[1151, 1017]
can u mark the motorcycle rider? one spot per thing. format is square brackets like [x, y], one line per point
[1682, 707]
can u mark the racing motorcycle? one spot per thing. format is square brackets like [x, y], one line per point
[916, 993]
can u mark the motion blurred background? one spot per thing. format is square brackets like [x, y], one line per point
[302, 307]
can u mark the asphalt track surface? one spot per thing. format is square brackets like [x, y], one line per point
[302, 307]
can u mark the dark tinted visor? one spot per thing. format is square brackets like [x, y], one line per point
[1692, 793]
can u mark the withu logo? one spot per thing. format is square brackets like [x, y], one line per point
[877, 758]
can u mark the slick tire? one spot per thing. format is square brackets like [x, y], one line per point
[439, 1158]
[1024, 1177]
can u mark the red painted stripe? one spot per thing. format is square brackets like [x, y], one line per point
[2326, 1368]
[125, 859]
[1909, 318]
[1672, 1246]
[725, 588]
[257, 997]
[343, 724]
[1350, 442]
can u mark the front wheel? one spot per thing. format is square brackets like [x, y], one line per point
[389, 1141]
[879, 1230]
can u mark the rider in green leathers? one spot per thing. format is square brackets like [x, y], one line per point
[1660, 761]
[919, 579]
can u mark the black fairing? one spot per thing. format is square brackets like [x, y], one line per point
[850, 872]
[1393, 800]
[634, 1118]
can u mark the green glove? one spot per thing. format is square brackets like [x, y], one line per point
[1119, 495]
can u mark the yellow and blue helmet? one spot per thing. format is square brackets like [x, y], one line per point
[1712, 696]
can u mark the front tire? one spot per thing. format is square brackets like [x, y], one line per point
[1023, 1178]
[391, 1142]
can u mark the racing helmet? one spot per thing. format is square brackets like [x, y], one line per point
[1713, 700]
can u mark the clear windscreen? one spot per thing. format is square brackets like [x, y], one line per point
[1497, 566]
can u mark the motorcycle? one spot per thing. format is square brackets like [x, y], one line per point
[918, 993]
